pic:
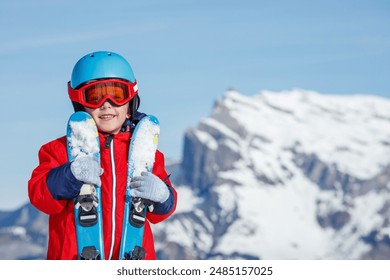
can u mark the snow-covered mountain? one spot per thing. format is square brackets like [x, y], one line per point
[286, 175]
[23, 234]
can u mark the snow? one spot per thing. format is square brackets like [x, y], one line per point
[222, 128]
[187, 199]
[366, 211]
[280, 222]
[227, 198]
[365, 217]
[179, 230]
[275, 222]
[84, 138]
[14, 230]
[207, 140]
[144, 147]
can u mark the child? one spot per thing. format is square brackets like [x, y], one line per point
[103, 85]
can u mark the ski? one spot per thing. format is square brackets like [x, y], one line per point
[143, 146]
[83, 140]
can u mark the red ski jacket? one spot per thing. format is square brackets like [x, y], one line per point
[62, 231]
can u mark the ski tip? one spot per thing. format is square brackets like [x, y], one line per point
[80, 116]
[153, 119]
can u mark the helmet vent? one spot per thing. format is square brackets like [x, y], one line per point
[92, 55]
[109, 54]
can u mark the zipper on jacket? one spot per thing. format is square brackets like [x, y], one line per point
[110, 144]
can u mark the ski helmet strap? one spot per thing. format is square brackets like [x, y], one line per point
[77, 106]
[134, 105]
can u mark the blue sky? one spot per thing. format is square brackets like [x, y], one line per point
[184, 54]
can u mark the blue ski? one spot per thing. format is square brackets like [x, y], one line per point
[141, 157]
[83, 140]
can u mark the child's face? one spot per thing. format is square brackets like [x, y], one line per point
[109, 118]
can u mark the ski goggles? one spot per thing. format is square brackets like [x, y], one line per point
[93, 95]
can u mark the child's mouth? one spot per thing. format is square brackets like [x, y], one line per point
[107, 117]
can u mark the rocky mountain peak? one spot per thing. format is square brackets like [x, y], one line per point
[296, 160]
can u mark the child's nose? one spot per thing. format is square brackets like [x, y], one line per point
[106, 104]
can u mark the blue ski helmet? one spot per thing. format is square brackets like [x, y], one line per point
[101, 65]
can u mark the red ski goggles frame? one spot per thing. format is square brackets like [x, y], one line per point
[94, 94]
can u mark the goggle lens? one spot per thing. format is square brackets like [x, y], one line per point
[94, 94]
